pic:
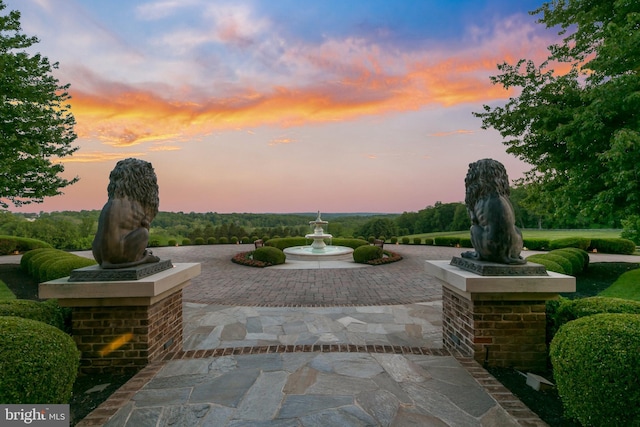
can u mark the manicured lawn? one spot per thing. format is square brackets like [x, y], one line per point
[5, 293]
[537, 234]
[627, 286]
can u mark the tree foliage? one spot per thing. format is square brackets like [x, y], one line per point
[580, 128]
[36, 126]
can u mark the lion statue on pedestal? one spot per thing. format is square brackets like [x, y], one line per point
[123, 227]
[494, 235]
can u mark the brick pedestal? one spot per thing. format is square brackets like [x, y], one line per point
[119, 327]
[498, 320]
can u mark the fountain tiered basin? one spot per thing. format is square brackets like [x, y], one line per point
[319, 250]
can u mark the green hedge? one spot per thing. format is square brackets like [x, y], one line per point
[613, 246]
[417, 241]
[50, 264]
[363, 254]
[63, 267]
[565, 310]
[577, 262]
[596, 366]
[446, 241]
[39, 363]
[270, 255]
[48, 312]
[536, 244]
[570, 242]
[12, 244]
[549, 264]
[288, 242]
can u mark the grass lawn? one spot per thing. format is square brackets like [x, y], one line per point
[5, 292]
[537, 234]
[627, 287]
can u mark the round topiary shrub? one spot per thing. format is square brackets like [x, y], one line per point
[364, 254]
[417, 240]
[406, 240]
[212, 241]
[596, 366]
[186, 242]
[172, 242]
[394, 240]
[234, 240]
[269, 255]
[223, 240]
[39, 362]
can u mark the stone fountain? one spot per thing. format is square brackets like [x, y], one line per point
[319, 250]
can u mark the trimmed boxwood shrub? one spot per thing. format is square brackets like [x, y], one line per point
[269, 255]
[286, 242]
[393, 240]
[350, 243]
[536, 244]
[446, 241]
[11, 244]
[39, 363]
[212, 241]
[567, 310]
[172, 242]
[465, 242]
[570, 242]
[48, 312]
[223, 240]
[363, 254]
[417, 241]
[245, 239]
[63, 267]
[577, 262]
[596, 366]
[186, 242]
[550, 265]
[233, 240]
[199, 241]
[613, 246]
[428, 241]
[26, 258]
[405, 240]
[582, 253]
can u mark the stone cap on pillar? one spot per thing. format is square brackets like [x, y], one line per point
[125, 292]
[472, 283]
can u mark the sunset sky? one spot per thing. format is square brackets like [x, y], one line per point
[283, 106]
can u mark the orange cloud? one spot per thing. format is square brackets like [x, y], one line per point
[280, 141]
[97, 156]
[124, 116]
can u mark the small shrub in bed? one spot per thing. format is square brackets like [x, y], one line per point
[364, 254]
[269, 255]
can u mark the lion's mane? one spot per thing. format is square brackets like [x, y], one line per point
[485, 177]
[135, 179]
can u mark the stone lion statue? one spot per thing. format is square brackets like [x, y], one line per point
[123, 227]
[494, 234]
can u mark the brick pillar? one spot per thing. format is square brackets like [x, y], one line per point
[497, 320]
[121, 326]
[495, 331]
[123, 339]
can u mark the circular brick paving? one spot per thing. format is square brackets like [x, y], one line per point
[225, 283]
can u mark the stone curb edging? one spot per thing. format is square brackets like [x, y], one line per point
[507, 400]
